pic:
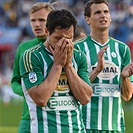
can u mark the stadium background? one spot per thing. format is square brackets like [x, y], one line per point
[15, 28]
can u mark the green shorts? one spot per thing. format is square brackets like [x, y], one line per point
[24, 126]
[102, 131]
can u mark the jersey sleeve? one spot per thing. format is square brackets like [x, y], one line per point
[126, 57]
[30, 70]
[16, 78]
[82, 67]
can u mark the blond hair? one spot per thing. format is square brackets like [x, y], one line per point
[40, 5]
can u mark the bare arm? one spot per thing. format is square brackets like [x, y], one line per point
[100, 66]
[80, 89]
[126, 85]
[41, 93]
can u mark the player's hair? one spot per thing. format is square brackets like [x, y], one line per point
[78, 31]
[87, 10]
[40, 5]
[60, 19]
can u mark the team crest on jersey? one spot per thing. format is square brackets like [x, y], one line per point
[32, 77]
[113, 54]
[110, 70]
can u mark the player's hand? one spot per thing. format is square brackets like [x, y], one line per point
[127, 70]
[69, 48]
[100, 56]
[60, 52]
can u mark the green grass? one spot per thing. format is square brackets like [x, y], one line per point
[10, 116]
[128, 109]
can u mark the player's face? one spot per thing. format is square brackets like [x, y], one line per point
[100, 17]
[38, 22]
[53, 38]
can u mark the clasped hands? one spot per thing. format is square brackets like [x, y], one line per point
[62, 52]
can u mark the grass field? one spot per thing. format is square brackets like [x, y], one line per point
[128, 109]
[10, 116]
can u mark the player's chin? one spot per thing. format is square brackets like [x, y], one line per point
[39, 34]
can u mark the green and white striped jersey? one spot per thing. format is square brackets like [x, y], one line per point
[63, 112]
[104, 111]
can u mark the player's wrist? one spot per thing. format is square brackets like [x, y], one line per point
[98, 69]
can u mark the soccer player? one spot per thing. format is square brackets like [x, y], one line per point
[38, 15]
[108, 72]
[55, 78]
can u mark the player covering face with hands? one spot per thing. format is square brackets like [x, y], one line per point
[55, 78]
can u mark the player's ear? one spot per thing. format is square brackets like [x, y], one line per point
[46, 31]
[87, 20]
[110, 19]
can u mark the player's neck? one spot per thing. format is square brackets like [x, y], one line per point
[100, 37]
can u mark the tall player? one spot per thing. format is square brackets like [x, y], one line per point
[38, 16]
[109, 73]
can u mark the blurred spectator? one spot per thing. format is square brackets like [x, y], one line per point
[79, 33]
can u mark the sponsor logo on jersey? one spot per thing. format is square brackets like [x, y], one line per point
[32, 77]
[61, 103]
[106, 90]
[62, 86]
[110, 70]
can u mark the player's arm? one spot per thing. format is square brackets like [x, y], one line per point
[126, 85]
[80, 89]
[42, 89]
[16, 79]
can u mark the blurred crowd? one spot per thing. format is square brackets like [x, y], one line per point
[15, 29]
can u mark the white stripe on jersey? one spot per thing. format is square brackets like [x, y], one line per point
[110, 113]
[45, 65]
[74, 64]
[45, 122]
[78, 120]
[119, 57]
[119, 114]
[100, 113]
[58, 121]
[88, 115]
[88, 56]
[110, 59]
[70, 122]
[32, 108]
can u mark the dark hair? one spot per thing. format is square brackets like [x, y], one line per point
[61, 19]
[87, 10]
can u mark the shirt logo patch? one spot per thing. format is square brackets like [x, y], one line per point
[113, 54]
[32, 77]
[61, 103]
